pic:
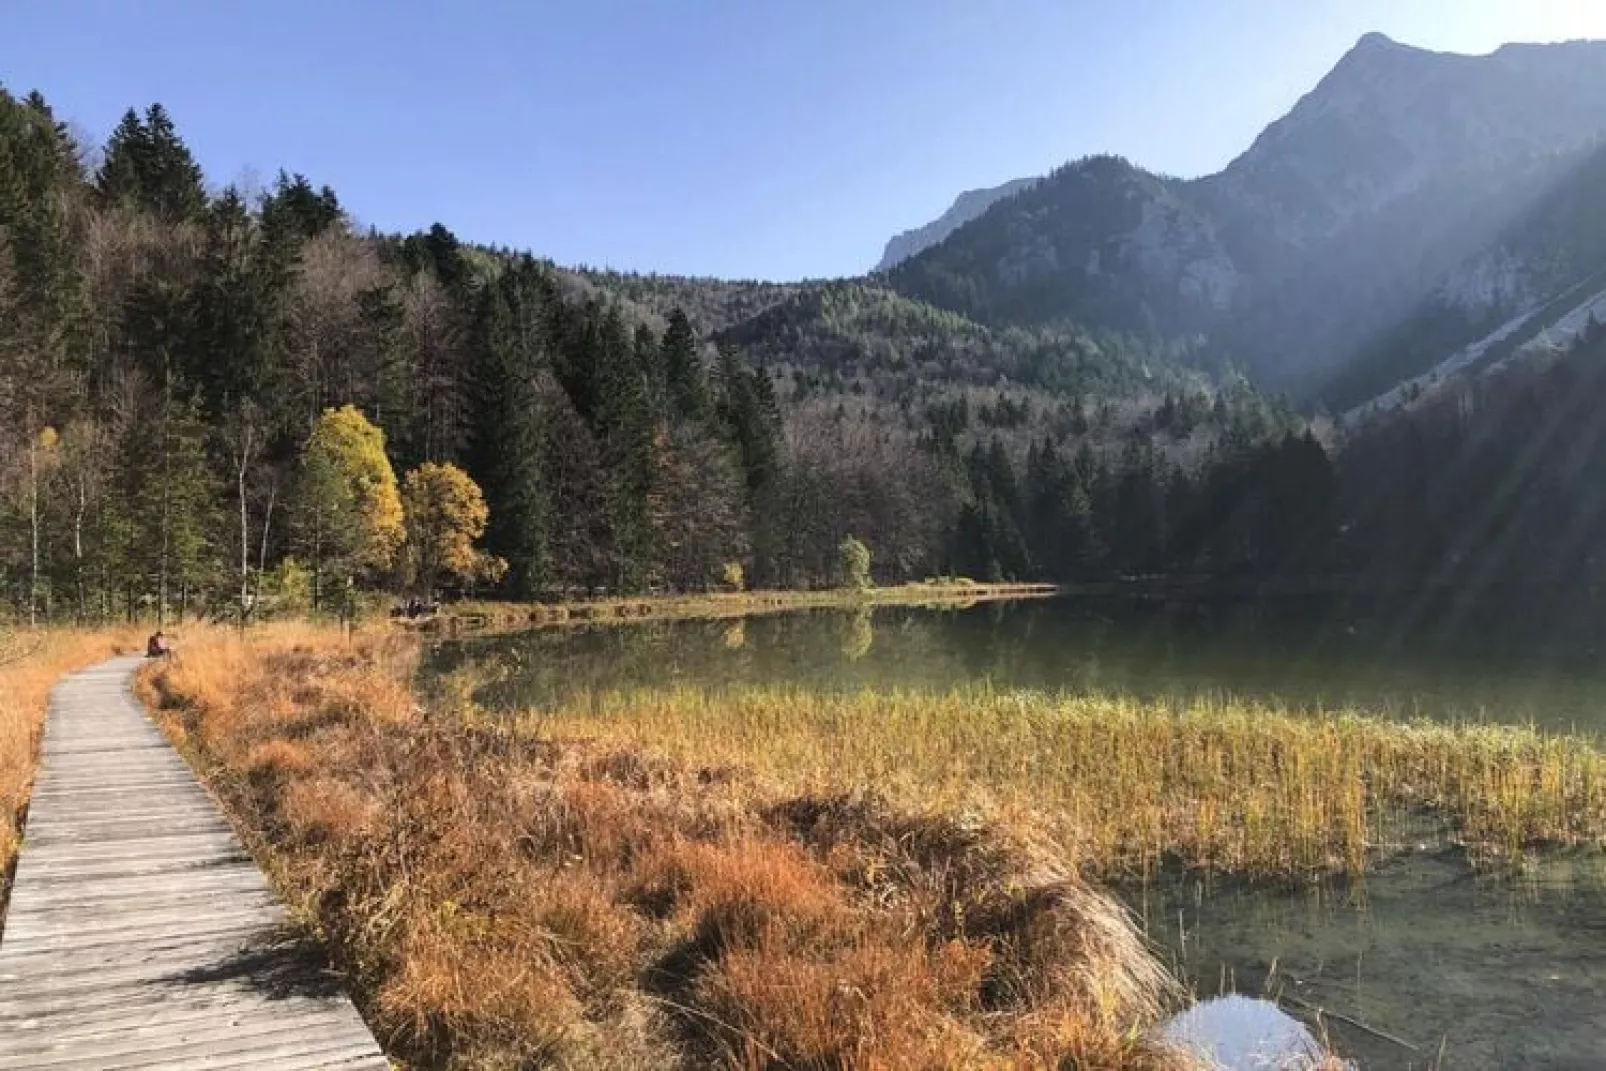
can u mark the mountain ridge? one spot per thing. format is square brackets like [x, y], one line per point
[966, 207]
[1341, 217]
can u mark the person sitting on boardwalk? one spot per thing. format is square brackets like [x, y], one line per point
[157, 646]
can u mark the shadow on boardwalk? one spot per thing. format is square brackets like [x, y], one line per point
[280, 965]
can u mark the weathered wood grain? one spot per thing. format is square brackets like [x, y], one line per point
[140, 934]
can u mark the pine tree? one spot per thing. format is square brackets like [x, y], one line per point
[624, 427]
[148, 167]
[510, 360]
[685, 379]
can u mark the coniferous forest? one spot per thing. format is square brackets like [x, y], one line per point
[215, 398]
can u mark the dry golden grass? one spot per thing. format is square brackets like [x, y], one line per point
[31, 661]
[504, 898]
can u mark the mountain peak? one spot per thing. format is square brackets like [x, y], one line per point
[1373, 48]
[966, 207]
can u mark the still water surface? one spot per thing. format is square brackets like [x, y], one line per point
[1442, 968]
[1498, 666]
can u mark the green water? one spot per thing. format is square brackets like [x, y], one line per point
[1428, 958]
[1499, 971]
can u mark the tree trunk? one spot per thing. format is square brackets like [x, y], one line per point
[167, 406]
[317, 563]
[33, 527]
[78, 550]
[267, 521]
[245, 523]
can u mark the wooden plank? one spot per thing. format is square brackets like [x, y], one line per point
[140, 933]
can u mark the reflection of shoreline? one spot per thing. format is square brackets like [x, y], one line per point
[498, 616]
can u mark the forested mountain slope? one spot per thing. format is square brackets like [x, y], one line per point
[1528, 291]
[1308, 251]
[210, 400]
[1488, 484]
[1097, 242]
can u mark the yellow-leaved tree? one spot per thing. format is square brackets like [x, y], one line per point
[349, 509]
[446, 516]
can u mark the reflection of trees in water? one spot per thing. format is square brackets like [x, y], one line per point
[858, 635]
[1298, 657]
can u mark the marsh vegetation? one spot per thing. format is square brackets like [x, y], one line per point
[786, 841]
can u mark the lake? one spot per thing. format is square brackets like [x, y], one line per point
[1500, 971]
[1494, 665]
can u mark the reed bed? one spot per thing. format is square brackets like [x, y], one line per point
[1120, 786]
[31, 661]
[501, 896]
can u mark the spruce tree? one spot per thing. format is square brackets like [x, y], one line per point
[509, 360]
[173, 188]
[236, 310]
[295, 211]
[39, 174]
[148, 167]
[125, 162]
[684, 376]
[748, 414]
[624, 427]
[169, 489]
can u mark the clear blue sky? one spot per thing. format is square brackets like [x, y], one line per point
[745, 138]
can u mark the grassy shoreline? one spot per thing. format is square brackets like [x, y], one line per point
[500, 897]
[649, 878]
[473, 615]
[765, 876]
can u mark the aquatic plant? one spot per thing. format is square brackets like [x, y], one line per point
[1121, 785]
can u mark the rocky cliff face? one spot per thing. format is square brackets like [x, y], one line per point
[1527, 291]
[1391, 120]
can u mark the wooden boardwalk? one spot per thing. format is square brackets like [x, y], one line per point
[140, 934]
